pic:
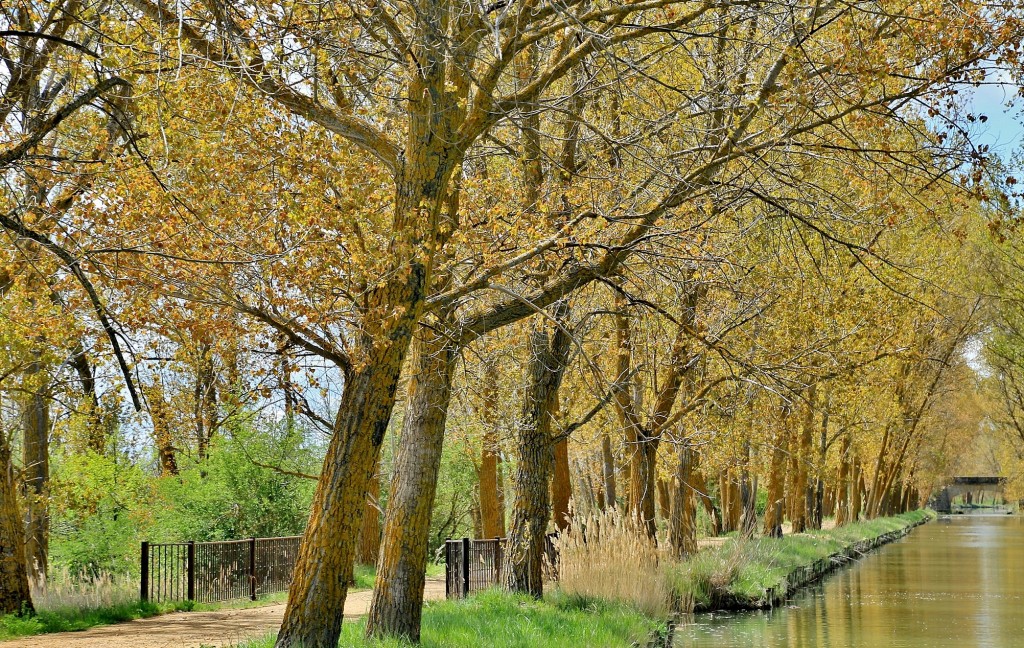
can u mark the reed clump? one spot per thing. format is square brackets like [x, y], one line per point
[608, 556]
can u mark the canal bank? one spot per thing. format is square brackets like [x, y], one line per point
[955, 583]
[764, 572]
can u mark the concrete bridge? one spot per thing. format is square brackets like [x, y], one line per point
[971, 491]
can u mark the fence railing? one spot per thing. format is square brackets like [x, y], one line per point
[207, 572]
[474, 565]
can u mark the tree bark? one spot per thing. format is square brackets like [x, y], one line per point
[682, 527]
[397, 603]
[524, 551]
[561, 488]
[492, 506]
[36, 472]
[316, 598]
[776, 479]
[369, 537]
[15, 595]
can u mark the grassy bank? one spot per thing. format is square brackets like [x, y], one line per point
[745, 574]
[500, 620]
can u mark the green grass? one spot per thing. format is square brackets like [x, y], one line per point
[500, 620]
[741, 573]
[65, 620]
[366, 573]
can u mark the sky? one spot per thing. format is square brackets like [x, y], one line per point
[1003, 132]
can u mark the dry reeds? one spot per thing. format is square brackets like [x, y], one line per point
[64, 590]
[608, 556]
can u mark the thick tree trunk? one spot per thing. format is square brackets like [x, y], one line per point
[803, 501]
[36, 473]
[369, 537]
[777, 480]
[316, 598]
[682, 527]
[857, 490]
[492, 505]
[748, 496]
[664, 499]
[642, 487]
[561, 488]
[524, 552]
[700, 489]
[15, 595]
[401, 571]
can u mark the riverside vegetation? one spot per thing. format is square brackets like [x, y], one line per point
[619, 590]
[382, 272]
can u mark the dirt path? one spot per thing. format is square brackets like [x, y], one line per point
[195, 629]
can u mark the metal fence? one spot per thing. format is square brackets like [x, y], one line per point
[474, 565]
[207, 572]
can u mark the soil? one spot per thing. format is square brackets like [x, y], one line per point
[222, 628]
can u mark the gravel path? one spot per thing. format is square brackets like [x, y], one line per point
[194, 629]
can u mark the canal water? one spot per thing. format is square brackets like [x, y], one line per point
[956, 582]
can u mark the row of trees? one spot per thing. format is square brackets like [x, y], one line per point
[632, 244]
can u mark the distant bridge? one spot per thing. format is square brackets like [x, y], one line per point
[969, 489]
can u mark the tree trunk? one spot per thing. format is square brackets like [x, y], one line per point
[561, 488]
[642, 483]
[401, 570]
[316, 598]
[163, 438]
[492, 509]
[682, 527]
[36, 473]
[15, 595]
[369, 537]
[664, 499]
[530, 511]
[843, 505]
[608, 471]
[857, 490]
[777, 480]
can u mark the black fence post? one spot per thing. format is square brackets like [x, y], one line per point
[252, 568]
[191, 595]
[144, 594]
[465, 567]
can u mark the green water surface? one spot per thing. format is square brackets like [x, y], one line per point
[957, 582]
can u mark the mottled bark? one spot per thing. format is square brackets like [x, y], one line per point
[664, 499]
[36, 471]
[857, 490]
[524, 552]
[682, 527]
[319, 585]
[777, 479]
[15, 595]
[397, 603]
[369, 536]
[492, 507]
[801, 495]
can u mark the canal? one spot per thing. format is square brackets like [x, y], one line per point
[957, 582]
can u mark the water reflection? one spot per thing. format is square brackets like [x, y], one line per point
[957, 582]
